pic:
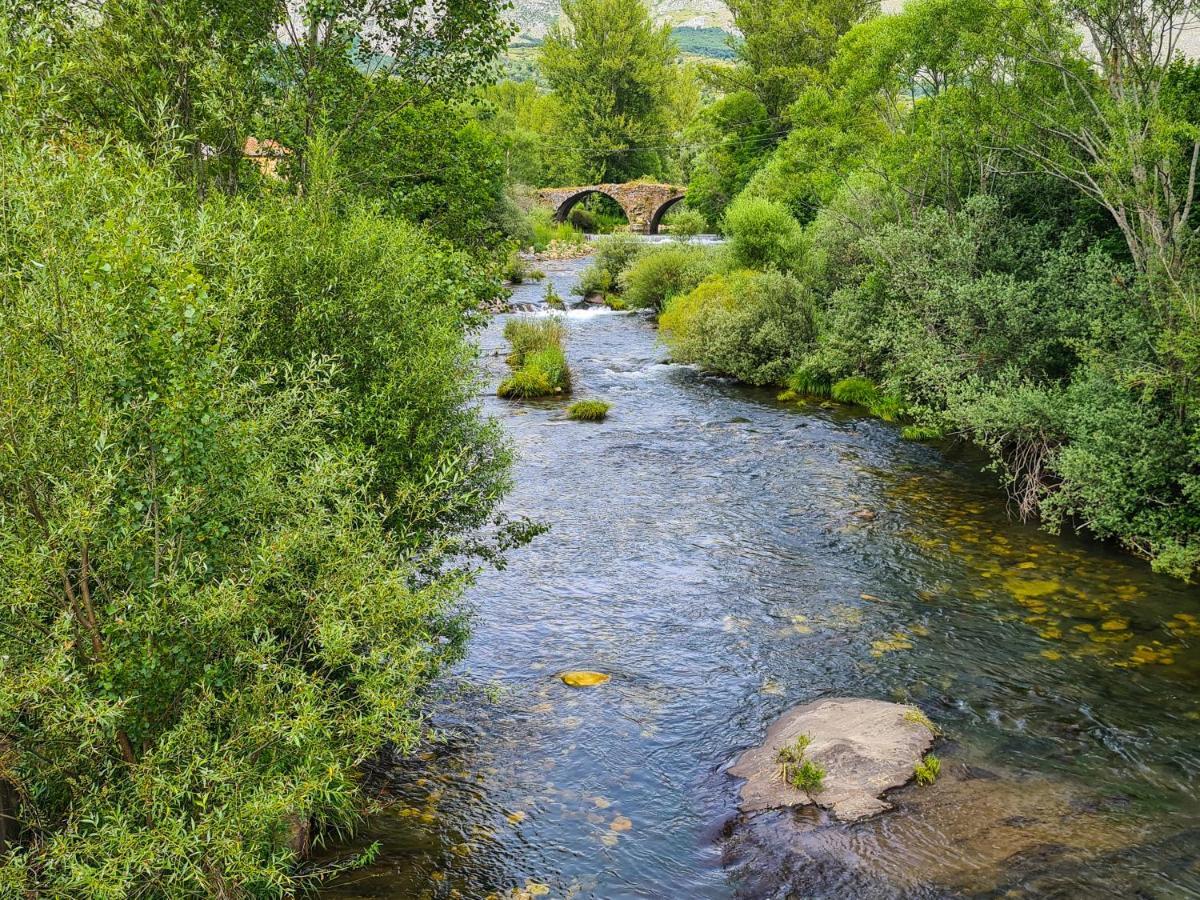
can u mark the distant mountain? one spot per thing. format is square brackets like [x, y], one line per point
[534, 17]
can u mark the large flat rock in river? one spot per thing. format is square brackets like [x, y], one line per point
[866, 747]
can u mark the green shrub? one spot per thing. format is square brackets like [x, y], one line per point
[855, 391]
[763, 235]
[614, 254]
[593, 281]
[798, 771]
[552, 298]
[589, 411]
[515, 270]
[683, 223]
[809, 776]
[752, 325]
[208, 615]
[660, 273]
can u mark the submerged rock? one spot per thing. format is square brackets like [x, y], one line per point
[864, 747]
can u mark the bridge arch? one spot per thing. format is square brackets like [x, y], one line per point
[656, 219]
[563, 212]
[644, 202]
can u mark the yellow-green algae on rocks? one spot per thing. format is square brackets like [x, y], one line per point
[584, 679]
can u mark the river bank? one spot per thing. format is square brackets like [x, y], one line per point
[710, 549]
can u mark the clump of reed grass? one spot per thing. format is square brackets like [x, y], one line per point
[538, 358]
[928, 769]
[856, 391]
[526, 334]
[589, 411]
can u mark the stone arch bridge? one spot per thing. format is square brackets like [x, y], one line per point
[644, 202]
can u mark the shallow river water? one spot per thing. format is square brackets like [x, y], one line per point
[724, 556]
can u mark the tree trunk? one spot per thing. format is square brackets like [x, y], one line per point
[9, 826]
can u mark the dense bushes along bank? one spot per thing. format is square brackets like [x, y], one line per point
[1027, 336]
[240, 473]
[968, 220]
[1016, 319]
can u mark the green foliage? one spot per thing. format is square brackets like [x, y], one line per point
[524, 121]
[552, 298]
[428, 161]
[737, 134]
[752, 325]
[785, 43]
[660, 273]
[240, 482]
[763, 235]
[684, 223]
[589, 410]
[614, 254]
[230, 431]
[368, 291]
[611, 70]
[538, 357]
[927, 770]
[798, 771]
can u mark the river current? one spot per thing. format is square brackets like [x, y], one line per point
[725, 555]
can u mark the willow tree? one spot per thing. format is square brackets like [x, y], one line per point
[612, 70]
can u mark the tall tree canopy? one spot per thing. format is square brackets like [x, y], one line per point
[785, 42]
[612, 70]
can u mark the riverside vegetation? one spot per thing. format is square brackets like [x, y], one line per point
[243, 479]
[538, 359]
[243, 482]
[972, 224]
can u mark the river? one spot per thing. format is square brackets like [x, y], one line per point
[725, 556]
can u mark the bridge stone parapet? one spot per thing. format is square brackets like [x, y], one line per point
[644, 202]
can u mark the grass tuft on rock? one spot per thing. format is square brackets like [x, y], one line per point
[527, 335]
[928, 769]
[589, 411]
[917, 717]
[798, 771]
[538, 358]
